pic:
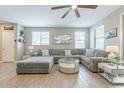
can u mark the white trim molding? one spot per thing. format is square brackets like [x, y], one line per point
[122, 36]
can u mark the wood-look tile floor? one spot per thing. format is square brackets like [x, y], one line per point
[56, 79]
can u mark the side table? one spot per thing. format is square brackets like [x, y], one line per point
[113, 72]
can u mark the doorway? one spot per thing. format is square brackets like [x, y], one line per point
[7, 46]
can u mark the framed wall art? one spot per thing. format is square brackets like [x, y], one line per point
[112, 33]
[62, 39]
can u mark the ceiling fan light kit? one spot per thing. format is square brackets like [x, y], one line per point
[75, 8]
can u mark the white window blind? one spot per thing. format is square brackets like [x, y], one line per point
[79, 39]
[99, 37]
[40, 38]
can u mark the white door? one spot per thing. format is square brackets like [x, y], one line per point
[8, 46]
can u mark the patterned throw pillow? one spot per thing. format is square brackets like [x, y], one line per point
[39, 52]
[89, 53]
[67, 52]
[45, 52]
[35, 54]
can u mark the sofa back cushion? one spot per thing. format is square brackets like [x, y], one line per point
[54, 52]
[81, 51]
[62, 51]
[74, 51]
[78, 51]
[100, 53]
[57, 52]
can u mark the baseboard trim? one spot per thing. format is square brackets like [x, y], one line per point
[8, 62]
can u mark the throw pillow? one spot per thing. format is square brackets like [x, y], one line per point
[39, 52]
[35, 54]
[67, 52]
[45, 52]
[91, 52]
[87, 52]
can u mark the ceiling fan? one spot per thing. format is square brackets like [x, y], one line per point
[75, 8]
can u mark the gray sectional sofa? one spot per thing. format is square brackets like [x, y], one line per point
[90, 60]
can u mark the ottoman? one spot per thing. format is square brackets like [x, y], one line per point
[38, 64]
[69, 65]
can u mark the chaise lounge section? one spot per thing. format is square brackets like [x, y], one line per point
[35, 65]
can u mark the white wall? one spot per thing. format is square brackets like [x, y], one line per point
[92, 38]
[54, 32]
[21, 45]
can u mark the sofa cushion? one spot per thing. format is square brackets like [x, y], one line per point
[61, 52]
[100, 53]
[36, 62]
[85, 59]
[74, 51]
[81, 51]
[35, 65]
[89, 53]
[57, 52]
[67, 52]
[45, 52]
[54, 52]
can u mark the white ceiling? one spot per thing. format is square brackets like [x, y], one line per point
[43, 16]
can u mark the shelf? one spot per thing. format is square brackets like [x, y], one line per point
[116, 79]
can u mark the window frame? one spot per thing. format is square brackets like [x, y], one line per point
[41, 39]
[102, 37]
[78, 39]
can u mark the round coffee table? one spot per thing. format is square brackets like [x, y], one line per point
[69, 65]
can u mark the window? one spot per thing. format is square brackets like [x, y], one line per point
[79, 39]
[99, 37]
[40, 38]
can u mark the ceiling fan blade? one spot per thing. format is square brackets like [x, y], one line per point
[77, 12]
[66, 13]
[59, 7]
[88, 6]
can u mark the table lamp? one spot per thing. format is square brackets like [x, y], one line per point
[112, 49]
